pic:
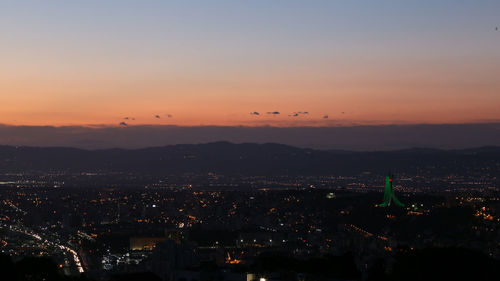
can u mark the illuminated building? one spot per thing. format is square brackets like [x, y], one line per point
[389, 195]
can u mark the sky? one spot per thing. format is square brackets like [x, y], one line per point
[360, 62]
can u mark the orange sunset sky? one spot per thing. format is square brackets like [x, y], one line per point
[214, 62]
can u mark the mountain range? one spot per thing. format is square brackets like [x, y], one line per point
[247, 158]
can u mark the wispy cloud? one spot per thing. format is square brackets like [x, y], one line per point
[273, 112]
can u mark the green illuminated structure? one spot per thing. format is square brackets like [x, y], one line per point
[389, 195]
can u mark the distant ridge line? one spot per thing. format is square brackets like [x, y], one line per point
[246, 158]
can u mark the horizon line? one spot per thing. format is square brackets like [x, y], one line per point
[107, 126]
[254, 143]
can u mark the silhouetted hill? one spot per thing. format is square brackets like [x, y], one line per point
[247, 158]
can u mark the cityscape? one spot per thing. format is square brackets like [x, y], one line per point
[223, 140]
[237, 226]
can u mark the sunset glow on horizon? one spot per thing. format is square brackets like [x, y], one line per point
[196, 63]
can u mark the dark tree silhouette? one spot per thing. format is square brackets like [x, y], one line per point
[143, 276]
[445, 264]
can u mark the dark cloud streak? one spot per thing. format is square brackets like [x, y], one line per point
[352, 138]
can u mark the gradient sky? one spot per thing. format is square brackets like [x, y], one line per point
[214, 62]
